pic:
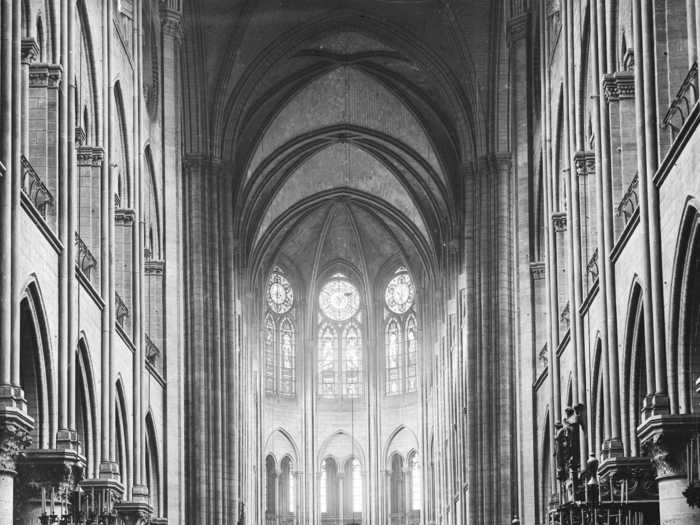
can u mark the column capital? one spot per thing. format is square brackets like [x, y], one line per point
[15, 426]
[171, 20]
[584, 162]
[30, 51]
[517, 27]
[664, 438]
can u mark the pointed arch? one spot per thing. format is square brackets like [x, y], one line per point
[123, 451]
[635, 383]
[36, 367]
[153, 469]
[122, 172]
[684, 327]
[86, 406]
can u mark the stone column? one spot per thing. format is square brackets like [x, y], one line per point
[172, 248]
[664, 439]
[5, 191]
[15, 426]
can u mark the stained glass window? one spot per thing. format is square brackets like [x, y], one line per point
[269, 355]
[393, 357]
[279, 337]
[400, 293]
[411, 354]
[339, 299]
[352, 356]
[401, 334]
[328, 361]
[280, 296]
[287, 369]
[340, 339]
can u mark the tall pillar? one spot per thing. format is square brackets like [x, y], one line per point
[172, 246]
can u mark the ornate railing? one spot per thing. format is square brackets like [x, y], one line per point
[685, 99]
[630, 200]
[84, 258]
[35, 189]
[120, 309]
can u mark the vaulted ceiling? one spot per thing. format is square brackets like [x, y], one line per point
[345, 126]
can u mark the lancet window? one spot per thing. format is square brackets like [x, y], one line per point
[340, 341]
[279, 336]
[400, 334]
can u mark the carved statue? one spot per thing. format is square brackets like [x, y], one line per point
[567, 442]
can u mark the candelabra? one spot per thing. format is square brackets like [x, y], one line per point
[77, 507]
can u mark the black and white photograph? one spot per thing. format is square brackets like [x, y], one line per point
[349, 262]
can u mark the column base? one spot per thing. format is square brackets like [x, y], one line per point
[67, 439]
[12, 397]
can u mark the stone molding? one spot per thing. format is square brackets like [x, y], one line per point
[517, 27]
[89, 156]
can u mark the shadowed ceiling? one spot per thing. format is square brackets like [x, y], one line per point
[346, 126]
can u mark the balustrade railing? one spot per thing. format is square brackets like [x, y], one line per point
[630, 200]
[84, 258]
[35, 189]
[681, 106]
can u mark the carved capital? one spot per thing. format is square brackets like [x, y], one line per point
[30, 51]
[538, 270]
[55, 72]
[38, 75]
[518, 26]
[584, 162]
[15, 426]
[559, 222]
[171, 20]
[664, 439]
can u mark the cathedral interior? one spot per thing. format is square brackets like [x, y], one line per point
[343, 262]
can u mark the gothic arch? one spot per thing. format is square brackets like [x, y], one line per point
[153, 466]
[123, 450]
[86, 406]
[635, 367]
[684, 311]
[36, 365]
